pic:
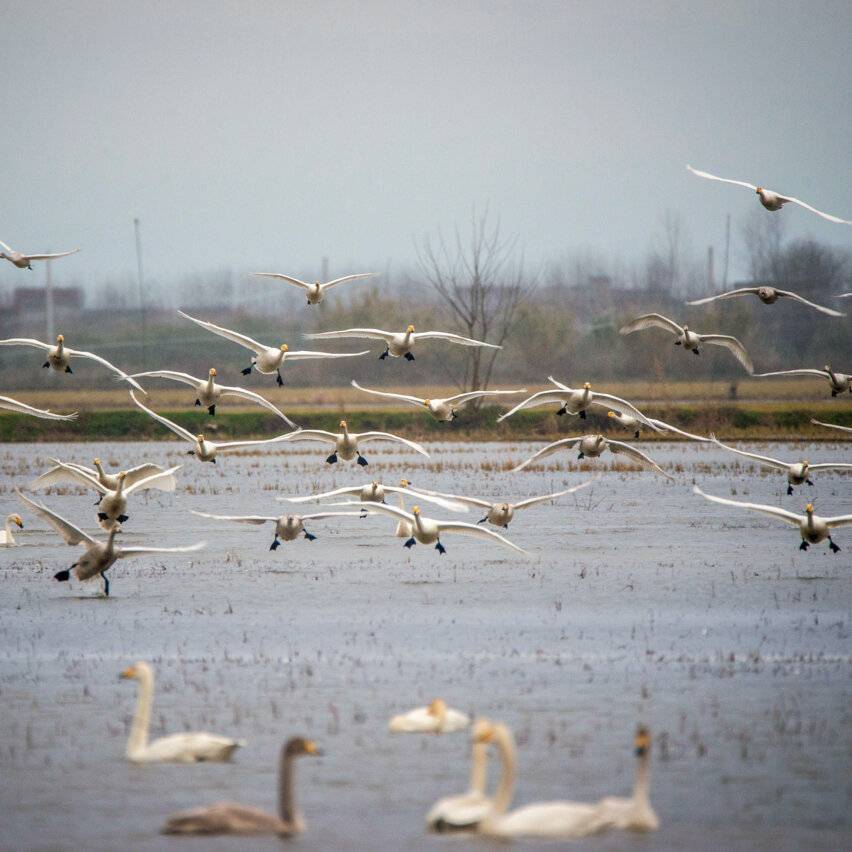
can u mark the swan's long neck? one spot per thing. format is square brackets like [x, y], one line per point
[119, 486]
[100, 470]
[640, 785]
[810, 516]
[503, 796]
[478, 767]
[286, 802]
[9, 537]
[418, 523]
[210, 384]
[138, 740]
[407, 338]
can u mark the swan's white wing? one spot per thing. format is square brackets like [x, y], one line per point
[62, 472]
[832, 426]
[843, 295]
[732, 345]
[26, 341]
[313, 435]
[828, 216]
[548, 450]
[839, 521]
[667, 427]
[355, 489]
[463, 398]
[304, 355]
[368, 333]
[619, 447]
[831, 466]
[7, 248]
[622, 406]
[478, 532]
[366, 437]
[651, 321]
[228, 446]
[767, 460]
[163, 480]
[802, 372]
[559, 384]
[316, 516]
[244, 393]
[22, 408]
[829, 311]
[545, 397]
[415, 400]
[236, 337]
[169, 424]
[457, 498]
[240, 519]
[143, 471]
[444, 501]
[335, 281]
[70, 533]
[77, 353]
[731, 294]
[772, 511]
[534, 501]
[290, 280]
[122, 552]
[453, 338]
[724, 180]
[61, 254]
[168, 374]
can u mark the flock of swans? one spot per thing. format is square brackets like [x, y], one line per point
[473, 810]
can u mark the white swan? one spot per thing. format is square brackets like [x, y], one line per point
[6, 402]
[6, 537]
[797, 473]
[632, 423]
[208, 393]
[434, 718]
[346, 443]
[23, 261]
[832, 426]
[501, 513]
[315, 292]
[839, 382]
[98, 556]
[59, 356]
[593, 446]
[287, 527]
[112, 507]
[769, 296]
[268, 359]
[374, 492]
[812, 528]
[132, 475]
[446, 408]
[203, 449]
[577, 401]
[771, 200]
[465, 811]
[690, 340]
[399, 344]
[190, 747]
[428, 531]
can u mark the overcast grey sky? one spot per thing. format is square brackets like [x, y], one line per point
[265, 135]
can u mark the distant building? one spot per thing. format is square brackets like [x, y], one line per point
[32, 299]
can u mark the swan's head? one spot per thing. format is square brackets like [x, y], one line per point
[122, 475]
[199, 438]
[342, 424]
[809, 508]
[642, 741]
[764, 292]
[297, 746]
[16, 519]
[135, 671]
[404, 483]
[284, 347]
[483, 731]
[410, 329]
[611, 414]
[211, 372]
[96, 462]
[758, 190]
[426, 402]
[827, 368]
[60, 338]
[806, 463]
[686, 328]
[415, 510]
[588, 385]
[438, 708]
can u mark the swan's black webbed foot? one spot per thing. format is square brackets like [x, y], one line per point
[275, 544]
[106, 585]
[636, 434]
[247, 370]
[483, 520]
[362, 461]
[332, 459]
[695, 352]
[582, 414]
[410, 543]
[211, 410]
[62, 576]
[834, 393]
[440, 548]
[453, 415]
[278, 379]
[188, 452]
[409, 356]
[809, 482]
[833, 546]
[45, 365]
[562, 412]
[677, 343]
[212, 461]
[789, 490]
[68, 370]
[308, 535]
[804, 546]
[102, 516]
[122, 519]
[581, 456]
[198, 402]
[384, 355]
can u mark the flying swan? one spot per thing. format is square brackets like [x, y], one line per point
[839, 382]
[268, 359]
[232, 818]
[434, 718]
[445, 409]
[6, 402]
[771, 200]
[23, 261]
[769, 296]
[632, 423]
[190, 747]
[374, 492]
[690, 340]
[315, 292]
[832, 426]
[6, 537]
[132, 475]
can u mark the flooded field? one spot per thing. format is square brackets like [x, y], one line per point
[640, 602]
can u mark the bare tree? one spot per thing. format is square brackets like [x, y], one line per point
[482, 283]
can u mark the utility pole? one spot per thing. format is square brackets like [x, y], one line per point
[48, 300]
[140, 279]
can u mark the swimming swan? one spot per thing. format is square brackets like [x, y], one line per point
[592, 446]
[798, 473]
[6, 537]
[636, 426]
[10, 404]
[812, 528]
[769, 199]
[208, 393]
[59, 356]
[399, 344]
[233, 818]
[23, 261]
[191, 747]
[434, 718]
[203, 449]
[132, 475]
[465, 811]
[444, 409]
[767, 295]
[832, 426]
[287, 527]
[374, 492]
[839, 382]
[268, 359]
[690, 340]
[346, 443]
[316, 291]
[98, 556]
[501, 514]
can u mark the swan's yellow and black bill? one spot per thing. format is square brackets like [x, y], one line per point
[129, 672]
